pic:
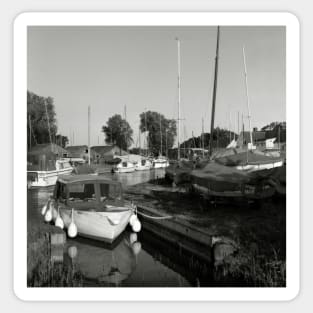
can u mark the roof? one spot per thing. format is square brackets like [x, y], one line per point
[106, 149]
[76, 148]
[68, 179]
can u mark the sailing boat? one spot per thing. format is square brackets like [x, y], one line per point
[241, 179]
[249, 159]
[45, 164]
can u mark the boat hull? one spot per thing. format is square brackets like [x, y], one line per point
[45, 178]
[104, 226]
[259, 167]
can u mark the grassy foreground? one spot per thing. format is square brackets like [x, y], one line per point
[43, 270]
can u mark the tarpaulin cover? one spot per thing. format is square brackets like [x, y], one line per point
[247, 157]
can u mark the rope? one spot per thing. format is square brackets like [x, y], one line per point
[155, 217]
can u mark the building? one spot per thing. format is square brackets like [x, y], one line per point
[43, 156]
[78, 152]
[99, 154]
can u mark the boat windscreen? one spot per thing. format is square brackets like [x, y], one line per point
[81, 192]
[110, 191]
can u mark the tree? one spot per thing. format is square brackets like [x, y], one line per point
[118, 132]
[221, 139]
[61, 140]
[156, 124]
[41, 115]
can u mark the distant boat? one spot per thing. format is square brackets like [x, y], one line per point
[47, 176]
[124, 167]
[160, 162]
[90, 206]
[143, 165]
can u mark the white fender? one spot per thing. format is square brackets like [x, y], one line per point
[132, 219]
[136, 227]
[58, 221]
[72, 228]
[48, 214]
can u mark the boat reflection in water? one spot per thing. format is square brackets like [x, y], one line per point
[101, 264]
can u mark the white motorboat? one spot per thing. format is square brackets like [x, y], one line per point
[143, 165]
[90, 206]
[124, 167]
[48, 177]
[160, 163]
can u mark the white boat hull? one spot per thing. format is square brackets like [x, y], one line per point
[160, 164]
[259, 167]
[105, 226]
[47, 178]
[125, 170]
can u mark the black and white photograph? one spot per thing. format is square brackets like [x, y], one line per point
[156, 156]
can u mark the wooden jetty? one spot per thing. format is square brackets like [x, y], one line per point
[177, 231]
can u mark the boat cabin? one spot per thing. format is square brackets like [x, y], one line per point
[88, 192]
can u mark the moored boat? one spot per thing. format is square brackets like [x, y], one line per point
[160, 162]
[143, 165]
[45, 177]
[217, 180]
[124, 167]
[90, 206]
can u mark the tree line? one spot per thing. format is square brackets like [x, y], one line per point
[41, 121]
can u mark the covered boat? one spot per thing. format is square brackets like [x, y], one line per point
[93, 205]
[249, 160]
[217, 180]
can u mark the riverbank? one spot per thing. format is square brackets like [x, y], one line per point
[45, 266]
[258, 232]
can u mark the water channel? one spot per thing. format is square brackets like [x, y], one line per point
[135, 260]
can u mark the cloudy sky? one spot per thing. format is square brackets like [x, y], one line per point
[108, 68]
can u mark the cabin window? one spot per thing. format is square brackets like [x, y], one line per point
[143, 162]
[109, 191]
[81, 192]
[60, 192]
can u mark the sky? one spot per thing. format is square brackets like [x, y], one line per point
[110, 68]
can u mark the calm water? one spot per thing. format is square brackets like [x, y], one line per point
[134, 260]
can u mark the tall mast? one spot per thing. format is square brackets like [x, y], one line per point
[214, 90]
[247, 94]
[202, 138]
[139, 141]
[178, 86]
[30, 132]
[89, 135]
[48, 123]
[146, 131]
[160, 133]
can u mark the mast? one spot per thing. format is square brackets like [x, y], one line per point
[202, 138]
[214, 90]
[48, 123]
[89, 135]
[139, 141]
[178, 86]
[30, 131]
[146, 131]
[160, 133]
[166, 152]
[247, 94]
